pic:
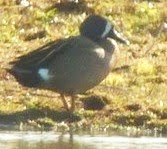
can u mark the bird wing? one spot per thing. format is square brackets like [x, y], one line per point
[42, 55]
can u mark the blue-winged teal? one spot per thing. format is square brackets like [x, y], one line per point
[74, 65]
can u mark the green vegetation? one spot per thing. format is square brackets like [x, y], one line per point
[135, 92]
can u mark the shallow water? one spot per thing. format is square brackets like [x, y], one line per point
[53, 140]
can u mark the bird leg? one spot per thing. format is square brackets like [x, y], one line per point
[64, 102]
[72, 103]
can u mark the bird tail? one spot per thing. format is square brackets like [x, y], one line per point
[27, 78]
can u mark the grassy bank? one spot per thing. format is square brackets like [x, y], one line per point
[135, 92]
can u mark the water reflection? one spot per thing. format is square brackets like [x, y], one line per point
[52, 140]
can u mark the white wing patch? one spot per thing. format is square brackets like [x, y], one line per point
[100, 52]
[106, 30]
[44, 73]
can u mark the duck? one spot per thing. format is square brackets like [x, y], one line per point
[73, 65]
